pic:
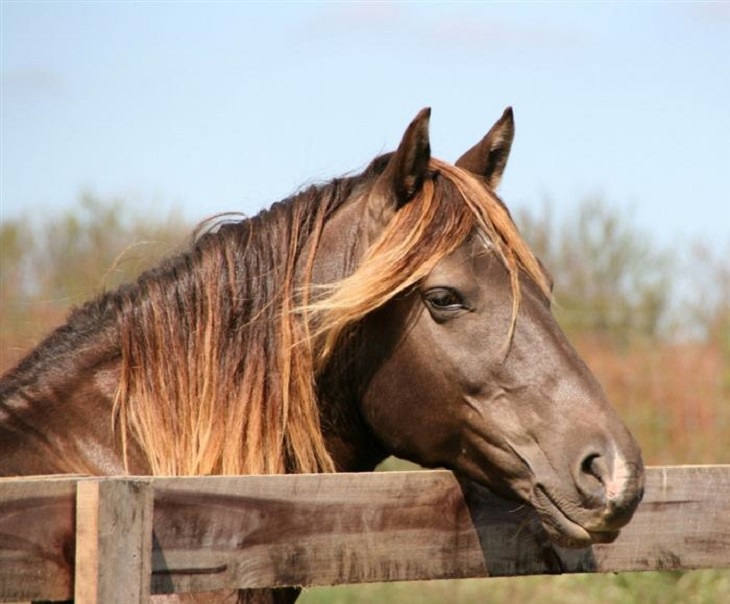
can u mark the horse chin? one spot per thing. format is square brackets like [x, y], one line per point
[561, 529]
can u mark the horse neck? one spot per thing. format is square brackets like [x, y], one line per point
[349, 440]
[54, 403]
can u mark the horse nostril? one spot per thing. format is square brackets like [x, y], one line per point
[593, 477]
[607, 486]
[595, 465]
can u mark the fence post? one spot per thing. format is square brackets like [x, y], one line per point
[113, 541]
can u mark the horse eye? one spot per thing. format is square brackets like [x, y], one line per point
[444, 299]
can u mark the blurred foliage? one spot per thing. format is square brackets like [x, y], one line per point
[94, 245]
[654, 328]
[706, 300]
[610, 280]
[49, 265]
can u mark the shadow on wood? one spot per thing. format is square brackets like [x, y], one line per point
[512, 540]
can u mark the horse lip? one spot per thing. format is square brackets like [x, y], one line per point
[561, 528]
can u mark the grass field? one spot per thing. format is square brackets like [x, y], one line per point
[695, 587]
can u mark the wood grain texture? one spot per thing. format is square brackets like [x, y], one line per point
[113, 541]
[683, 522]
[311, 530]
[267, 531]
[37, 524]
[325, 530]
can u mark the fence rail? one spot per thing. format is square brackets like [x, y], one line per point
[121, 539]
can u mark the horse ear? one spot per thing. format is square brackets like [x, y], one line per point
[403, 175]
[488, 157]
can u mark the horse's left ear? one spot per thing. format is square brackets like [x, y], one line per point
[403, 175]
[488, 157]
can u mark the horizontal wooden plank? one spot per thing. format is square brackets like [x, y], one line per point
[310, 530]
[265, 531]
[683, 522]
[325, 530]
[37, 522]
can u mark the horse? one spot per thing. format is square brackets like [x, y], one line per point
[394, 312]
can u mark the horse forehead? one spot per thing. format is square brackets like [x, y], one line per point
[476, 257]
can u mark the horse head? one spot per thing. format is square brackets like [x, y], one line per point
[454, 357]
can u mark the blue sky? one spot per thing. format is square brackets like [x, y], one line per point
[203, 107]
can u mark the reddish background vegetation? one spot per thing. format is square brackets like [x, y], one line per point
[674, 397]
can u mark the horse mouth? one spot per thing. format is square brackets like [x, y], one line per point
[563, 530]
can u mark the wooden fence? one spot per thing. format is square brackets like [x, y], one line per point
[116, 540]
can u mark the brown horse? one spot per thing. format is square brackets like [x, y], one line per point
[394, 312]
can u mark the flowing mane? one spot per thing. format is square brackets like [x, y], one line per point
[219, 343]
[211, 379]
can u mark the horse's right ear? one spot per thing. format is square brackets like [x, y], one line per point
[403, 175]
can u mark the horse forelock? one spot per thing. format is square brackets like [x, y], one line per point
[494, 222]
[452, 205]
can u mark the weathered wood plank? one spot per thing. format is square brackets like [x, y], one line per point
[683, 522]
[263, 531]
[113, 541]
[37, 523]
[324, 530]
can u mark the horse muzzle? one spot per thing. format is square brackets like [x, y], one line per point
[605, 492]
